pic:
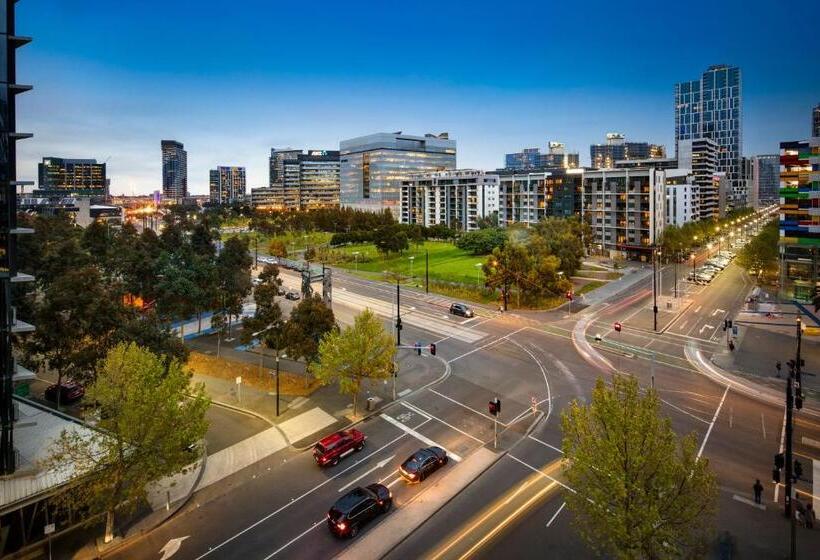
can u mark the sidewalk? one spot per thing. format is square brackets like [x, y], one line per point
[631, 277]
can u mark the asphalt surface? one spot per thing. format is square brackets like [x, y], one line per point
[276, 507]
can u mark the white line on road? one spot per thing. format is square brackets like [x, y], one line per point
[379, 465]
[698, 309]
[539, 471]
[468, 328]
[416, 410]
[680, 327]
[684, 411]
[710, 327]
[712, 424]
[295, 500]
[747, 501]
[546, 381]
[452, 400]
[405, 392]
[782, 441]
[290, 542]
[462, 432]
[545, 444]
[811, 442]
[499, 339]
[418, 436]
[556, 514]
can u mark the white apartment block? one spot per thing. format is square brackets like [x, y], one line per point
[457, 198]
[682, 197]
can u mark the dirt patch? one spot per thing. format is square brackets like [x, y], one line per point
[289, 383]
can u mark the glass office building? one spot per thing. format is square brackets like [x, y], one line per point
[227, 184]
[765, 180]
[61, 177]
[712, 107]
[174, 170]
[532, 158]
[374, 167]
[616, 148]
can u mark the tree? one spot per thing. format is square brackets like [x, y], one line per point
[482, 241]
[504, 268]
[277, 248]
[149, 417]
[353, 354]
[233, 272]
[308, 323]
[391, 239]
[641, 491]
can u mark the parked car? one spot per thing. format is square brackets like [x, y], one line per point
[337, 446]
[293, 296]
[69, 391]
[423, 463]
[716, 263]
[461, 309]
[358, 507]
[280, 291]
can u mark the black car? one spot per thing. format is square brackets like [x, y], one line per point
[461, 309]
[358, 507]
[423, 463]
[292, 296]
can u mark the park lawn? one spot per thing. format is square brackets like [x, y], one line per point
[294, 241]
[448, 263]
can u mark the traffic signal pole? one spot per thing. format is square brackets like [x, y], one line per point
[398, 313]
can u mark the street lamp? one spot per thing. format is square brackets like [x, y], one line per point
[356, 259]
[693, 265]
[277, 380]
[412, 258]
[477, 273]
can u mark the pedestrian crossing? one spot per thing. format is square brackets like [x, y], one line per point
[441, 325]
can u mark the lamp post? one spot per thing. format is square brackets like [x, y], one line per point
[356, 260]
[426, 271]
[693, 264]
[477, 273]
[655, 253]
[277, 380]
[412, 258]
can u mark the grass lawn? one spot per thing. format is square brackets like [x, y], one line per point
[448, 263]
[295, 241]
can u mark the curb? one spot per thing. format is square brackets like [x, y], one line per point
[255, 415]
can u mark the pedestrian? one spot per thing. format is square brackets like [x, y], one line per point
[809, 515]
[758, 488]
[731, 346]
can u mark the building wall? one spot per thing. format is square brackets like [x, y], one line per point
[712, 107]
[815, 121]
[700, 155]
[531, 197]
[765, 180]
[374, 167]
[61, 177]
[799, 219]
[174, 170]
[682, 204]
[457, 199]
[227, 184]
[625, 209]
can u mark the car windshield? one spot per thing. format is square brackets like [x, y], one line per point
[320, 448]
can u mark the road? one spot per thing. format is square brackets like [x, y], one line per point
[276, 507]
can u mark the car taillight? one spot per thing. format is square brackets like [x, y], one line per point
[341, 526]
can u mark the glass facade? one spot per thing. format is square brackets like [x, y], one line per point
[530, 197]
[174, 170]
[712, 108]
[227, 184]
[533, 159]
[60, 177]
[373, 168]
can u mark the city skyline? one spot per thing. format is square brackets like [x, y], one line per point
[489, 100]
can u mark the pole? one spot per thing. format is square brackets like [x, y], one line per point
[677, 257]
[395, 375]
[495, 432]
[398, 313]
[256, 251]
[788, 499]
[426, 271]
[655, 288]
[277, 383]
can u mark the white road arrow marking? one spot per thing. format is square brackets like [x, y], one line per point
[706, 327]
[379, 465]
[716, 311]
[171, 547]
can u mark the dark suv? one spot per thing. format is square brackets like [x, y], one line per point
[423, 463]
[337, 446]
[461, 309]
[356, 508]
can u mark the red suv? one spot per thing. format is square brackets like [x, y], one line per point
[338, 445]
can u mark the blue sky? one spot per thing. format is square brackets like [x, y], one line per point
[231, 80]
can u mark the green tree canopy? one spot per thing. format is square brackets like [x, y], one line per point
[641, 491]
[356, 353]
[308, 323]
[149, 416]
[482, 241]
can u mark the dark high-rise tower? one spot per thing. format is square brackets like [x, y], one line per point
[174, 170]
[815, 121]
[9, 88]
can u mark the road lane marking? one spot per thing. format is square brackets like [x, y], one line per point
[544, 373]
[747, 501]
[782, 440]
[295, 500]
[710, 327]
[379, 465]
[682, 325]
[418, 436]
[556, 514]
[452, 400]
[416, 410]
[683, 411]
[545, 444]
[462, 432]
[712, 424]
[542, 473]
[293, 540]
[698, 309]
[499, 339]
[405, 392]
[468, 328]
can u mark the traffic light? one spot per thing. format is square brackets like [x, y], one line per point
[569, 295]
[779, 461]
[798, 470]
[495, 406]
[432, 349]
[418, 348]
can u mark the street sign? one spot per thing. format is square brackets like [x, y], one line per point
[49, 529]
[239, 380]
[617, 326]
